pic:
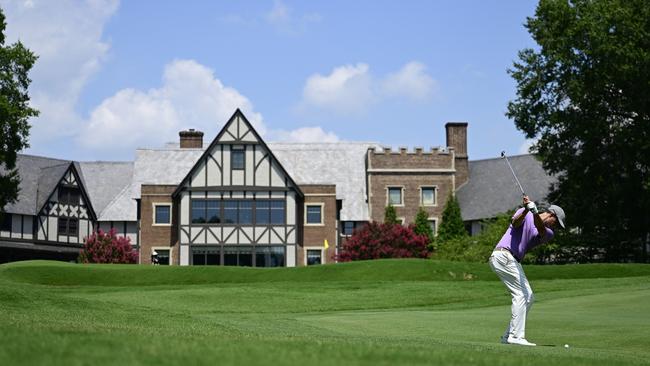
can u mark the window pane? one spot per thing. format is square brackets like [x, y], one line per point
[212, 259]
[163, 215]
[348, 227]
[262, 214]
[314, 214]
[73, 198]
[163, 257]
[395, 196]
[246, 212]
[213, 211]
[198, 259]
[313, 257]
[428, 196]
[432, 223]
[72, 226]
[6, 221]
[198, 212]
[63, 226]
[238, 159]
[230, 212]
[277, 213]
[229, 256]
[246, 257]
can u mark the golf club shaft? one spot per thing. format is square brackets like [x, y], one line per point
[503, 154]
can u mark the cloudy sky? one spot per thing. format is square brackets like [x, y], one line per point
[113, 76]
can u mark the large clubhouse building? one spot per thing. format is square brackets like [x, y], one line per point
[241, 201]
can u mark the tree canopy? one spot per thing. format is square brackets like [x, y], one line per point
[15, 63]
[584, 94]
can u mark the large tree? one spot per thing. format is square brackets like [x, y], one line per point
[584, 93]
[15, 63]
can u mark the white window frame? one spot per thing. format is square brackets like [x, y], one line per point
[388, 196]
[322, 213]
[434, 219]
[403, 220]
[323, 260]
[171, 253]
[153, 219]
[435, 196]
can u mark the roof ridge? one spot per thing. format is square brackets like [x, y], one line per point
[510, 156]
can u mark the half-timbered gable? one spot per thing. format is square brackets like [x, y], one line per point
[65, 215]
[238, 205]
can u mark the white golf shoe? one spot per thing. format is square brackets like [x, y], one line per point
[519, 341]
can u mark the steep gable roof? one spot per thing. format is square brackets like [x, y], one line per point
[491, 189]
[238, 114]
[30, 168]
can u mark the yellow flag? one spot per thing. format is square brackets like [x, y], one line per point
[327, 245]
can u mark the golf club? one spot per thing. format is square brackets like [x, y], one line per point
[503, 155]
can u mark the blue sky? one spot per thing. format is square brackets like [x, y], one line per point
[113, 76]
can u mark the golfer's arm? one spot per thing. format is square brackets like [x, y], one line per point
[518, 220]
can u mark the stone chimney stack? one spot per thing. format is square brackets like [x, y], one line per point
[191, 139]
[457, 138]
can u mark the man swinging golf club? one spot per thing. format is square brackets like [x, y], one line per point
[528, 229]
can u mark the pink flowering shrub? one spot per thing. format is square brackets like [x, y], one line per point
[102, 247]
[377, 240]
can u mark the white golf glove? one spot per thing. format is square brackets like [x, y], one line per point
[532, 207]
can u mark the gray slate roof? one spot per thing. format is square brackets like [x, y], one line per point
[31, 169]
[491, 189]
[341, 163]
[39, 175]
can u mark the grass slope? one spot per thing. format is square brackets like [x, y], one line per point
[392, 312]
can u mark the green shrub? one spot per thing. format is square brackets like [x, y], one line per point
[474, 248]
[390, 215]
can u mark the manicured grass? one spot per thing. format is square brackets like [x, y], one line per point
[394, 312]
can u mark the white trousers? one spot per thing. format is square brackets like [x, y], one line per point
[512, 275]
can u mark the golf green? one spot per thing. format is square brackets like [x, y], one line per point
[387, 312]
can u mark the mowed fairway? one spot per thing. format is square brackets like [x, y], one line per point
[389, 312]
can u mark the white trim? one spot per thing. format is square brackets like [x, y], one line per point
[320, 194]
[322, 213]
[403, 220]
[153, 219]
[171, 261]
[423, 170]
[322, 254]
[435, 196]
[401, 194]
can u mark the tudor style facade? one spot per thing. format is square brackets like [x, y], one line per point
[238, 201]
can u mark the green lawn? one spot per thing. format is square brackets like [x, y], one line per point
[391, 312]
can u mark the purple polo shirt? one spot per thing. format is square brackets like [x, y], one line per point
[524, 238]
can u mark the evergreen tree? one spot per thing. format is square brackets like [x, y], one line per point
[422, 226]
[390, 215]
[452, 226]
[15, 63]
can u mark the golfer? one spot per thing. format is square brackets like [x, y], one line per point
[528, 229]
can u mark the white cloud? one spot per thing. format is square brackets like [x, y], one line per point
[279, 14]
[190, 97]
[346, 89]
[410, 81]
[352, 88]
[304, 134]
[67, 37]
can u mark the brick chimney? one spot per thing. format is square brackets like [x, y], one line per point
[191, 139]
[457, 138]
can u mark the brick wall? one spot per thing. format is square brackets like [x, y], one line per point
[411, 171]
[314, 235]
[154, 235]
